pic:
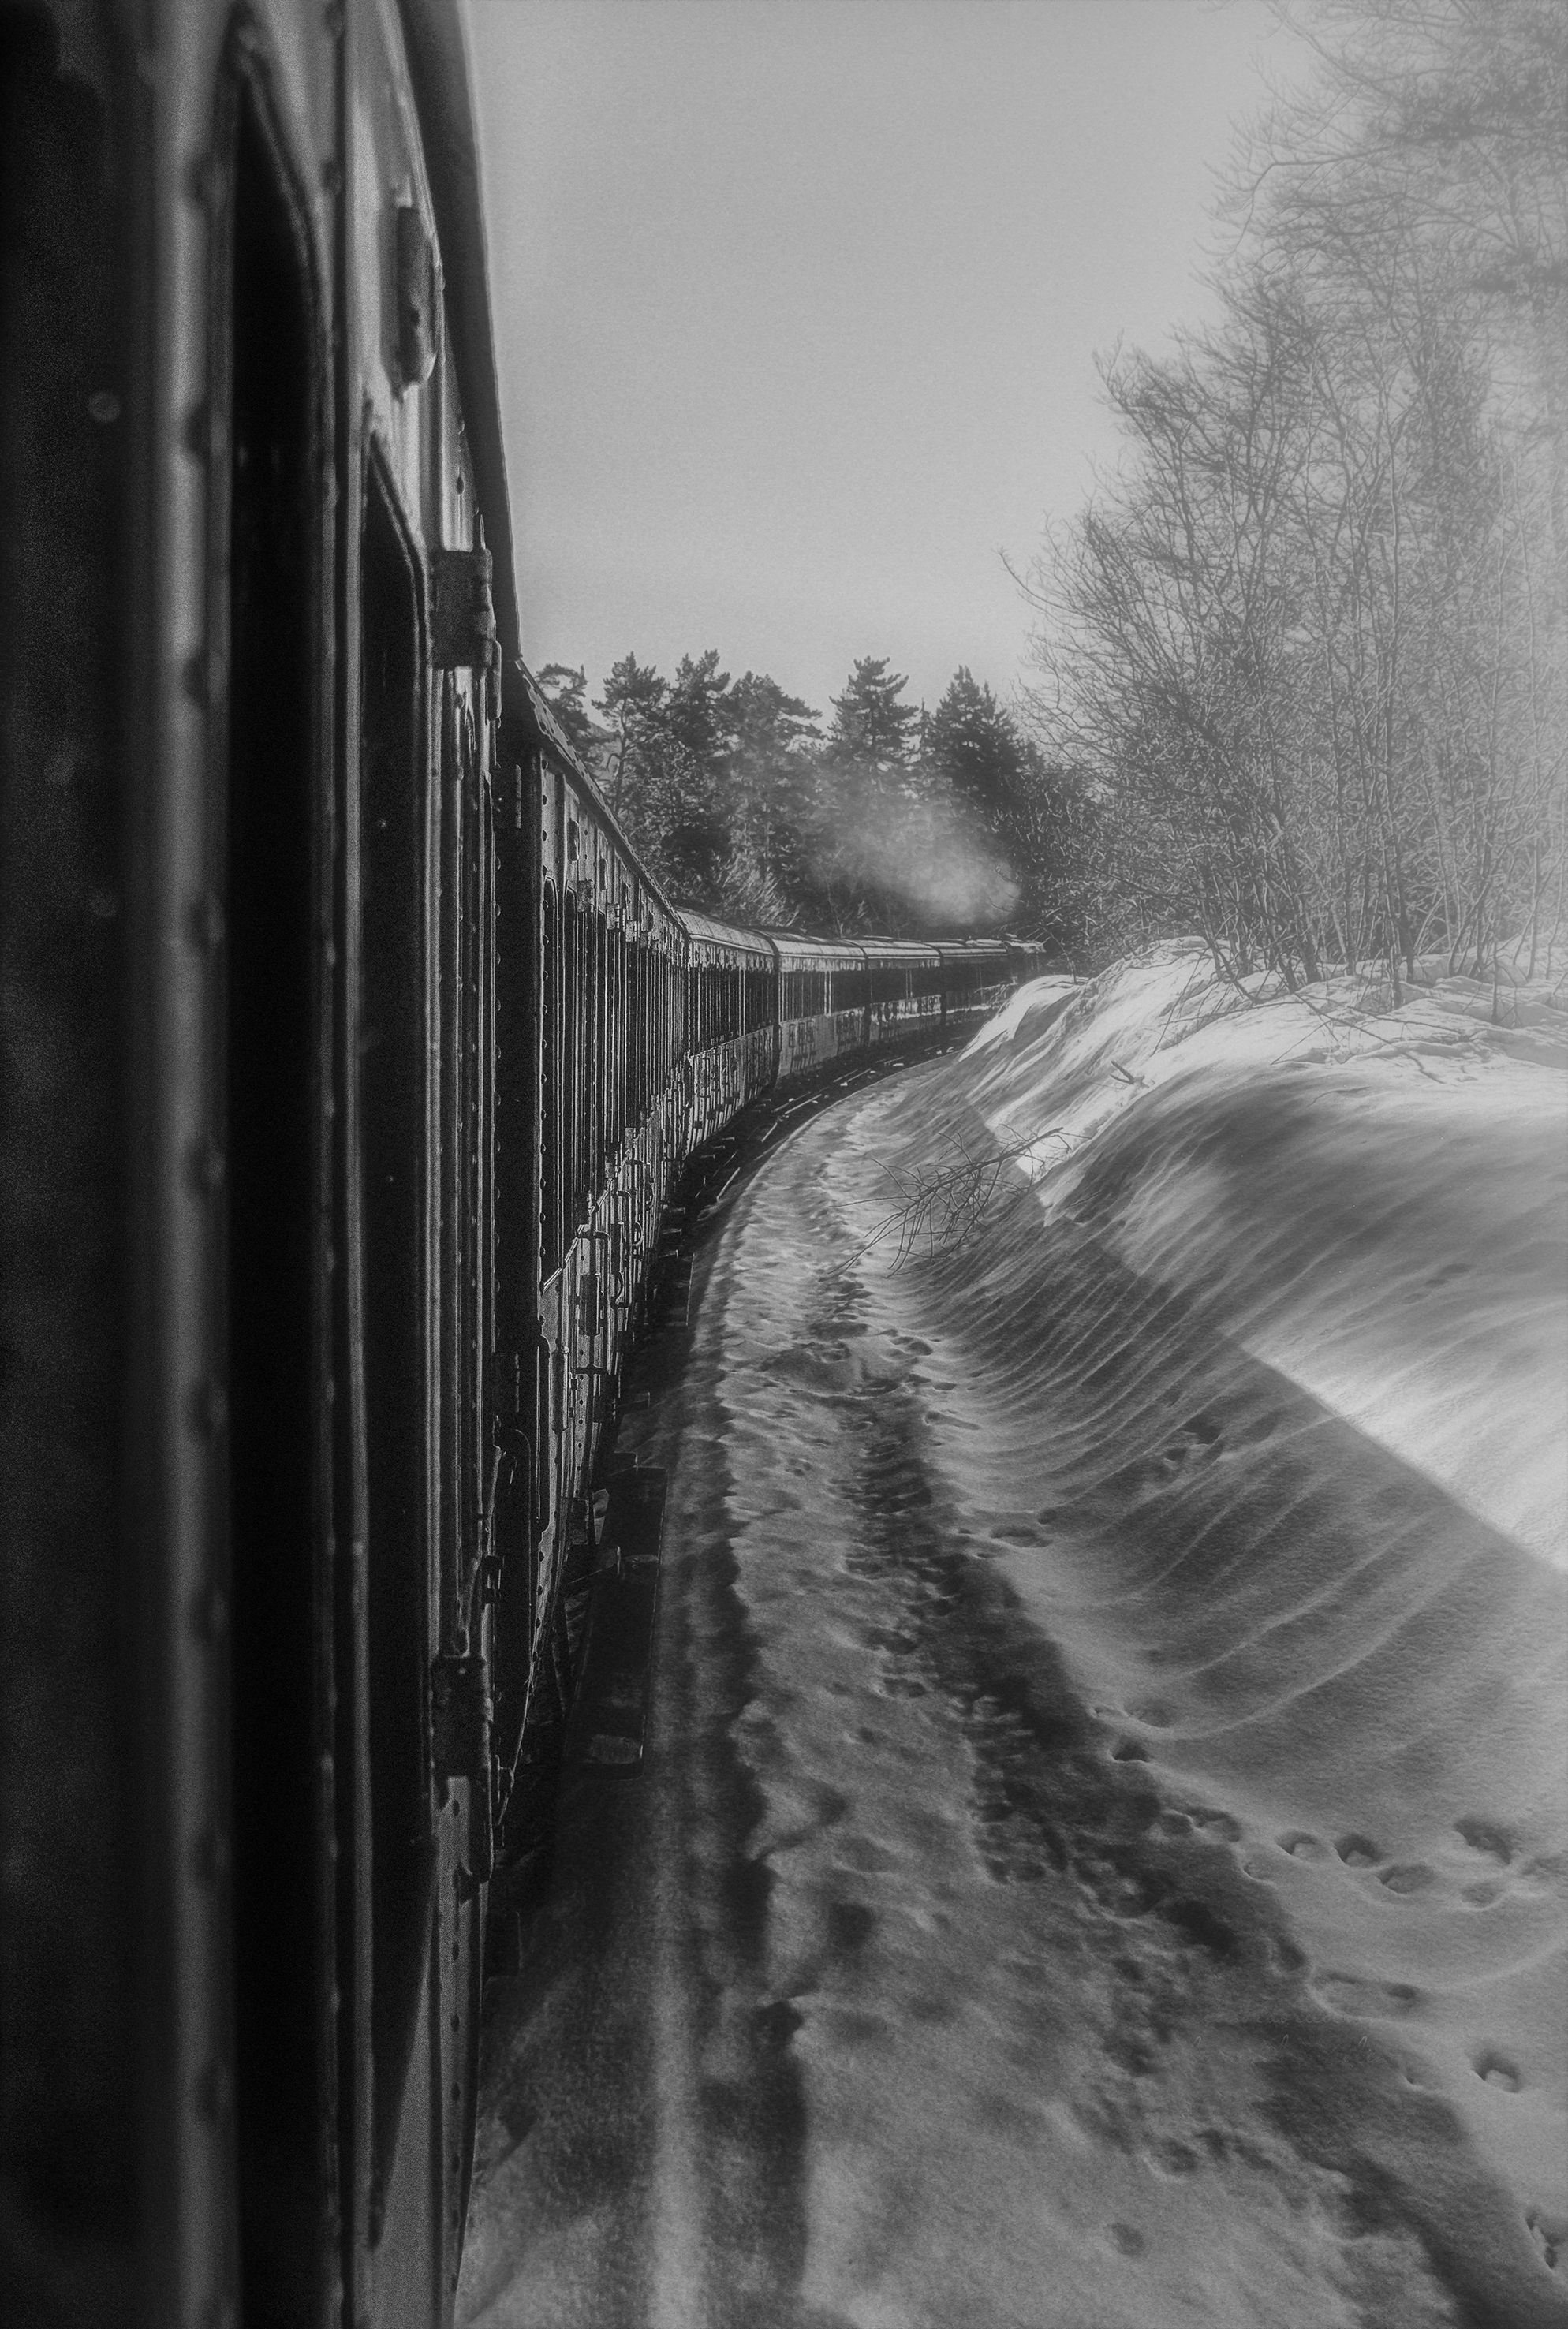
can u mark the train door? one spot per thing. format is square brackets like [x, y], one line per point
[86, 2129]
[275, 1075]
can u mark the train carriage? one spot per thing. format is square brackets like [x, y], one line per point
[732, 1021]
[354, 1052]
[823, 999]
[254, 642]
[906, 993]
[599, 959]
[975, 975]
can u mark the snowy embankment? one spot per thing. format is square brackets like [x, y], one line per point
[1372, 1200]
[1339, 1613]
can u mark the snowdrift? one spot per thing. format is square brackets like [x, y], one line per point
[1259, 1398]
[1373, 1200]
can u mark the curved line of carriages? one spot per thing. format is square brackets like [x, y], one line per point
[656, 1028]
[383, 1054]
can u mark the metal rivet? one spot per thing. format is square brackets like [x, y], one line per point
[213, 2091]
[206, 1165]
[206, 921]
[209, 1613]
[210, 1857]
[209, 1408]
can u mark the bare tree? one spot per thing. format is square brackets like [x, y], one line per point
[1308, 641]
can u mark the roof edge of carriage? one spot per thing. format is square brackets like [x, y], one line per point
[524, 705]
[436, 41]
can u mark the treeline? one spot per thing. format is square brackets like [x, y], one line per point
[887, 818]
[1307, 648]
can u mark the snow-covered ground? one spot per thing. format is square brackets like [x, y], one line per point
[1101, 1857]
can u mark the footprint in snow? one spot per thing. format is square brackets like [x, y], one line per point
[1550, 2234]
[1408, 1877]
[1489, 1837]
[1358, 1851]
[1177, 2158]
[1363, 2000]
[1218, 1825]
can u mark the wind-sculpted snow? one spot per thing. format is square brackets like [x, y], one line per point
[1265, 1387]
[1372, 1200]
[1100, 1860]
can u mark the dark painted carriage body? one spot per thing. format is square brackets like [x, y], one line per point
[593, 982]
[351, 1057]
[252, 694]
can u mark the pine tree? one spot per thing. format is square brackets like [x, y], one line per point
[696, 708]
[973, 749]
[633, 703]
[774, 779]
[873, 730]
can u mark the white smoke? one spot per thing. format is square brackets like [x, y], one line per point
[929, 855]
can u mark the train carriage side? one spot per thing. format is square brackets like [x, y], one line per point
[598, 957]
[732, 1022]
[269, 359]
[906, 992]
[975, 977]
[823, 1000]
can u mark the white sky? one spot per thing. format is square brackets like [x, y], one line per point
[797, 303]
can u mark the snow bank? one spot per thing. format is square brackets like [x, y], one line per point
[1258, 1401]
[1370, 1199]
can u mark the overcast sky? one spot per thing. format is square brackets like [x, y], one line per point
[797, 303]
